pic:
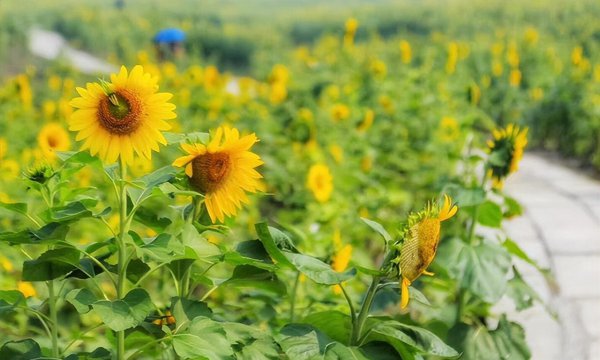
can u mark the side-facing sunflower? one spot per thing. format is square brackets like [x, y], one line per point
[506, 151]
[421, 239]
[53, 137]
[223, 171]
[124, 116]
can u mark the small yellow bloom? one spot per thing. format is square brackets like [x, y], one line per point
[452, 57]
[278, 93]
[53, 137]
[537, 94]
[421, 240]
[26, 288]
[366, 163]
[340, 112]
[3, 148]
[515, 78]
[49, 109]
[320, 182]
[449, 130]
[507, 148]
[531, 35]
[4, 262]
[577, 55]
[497, 68]
[367, 121]
[337, 153]
[378, 68]
[54, 83]
[405, 52]
[340, 262]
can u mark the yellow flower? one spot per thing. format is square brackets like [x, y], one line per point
[449, 130]
[577, 55]
[49, 108]
[25, 92]
[212, 77]
[279, 74]
[452, 57]
[515, 78]
[126, 115]
[405, 52]
[512, 56]
[351, 26]
[378, 68]
[53, 137]
[474, 94]
[5, 263]
[531, 35]
[320, 182]
[223, 171]
[366, 163]
[337, 153]
[537, 94]
[341, 259]
[497, 68]
[340, 112]
[54, 83]
[26, 288]
[506, 151]
[3, 147]
[421, 239]
[9, 169]
[367, 121]
[278, 93]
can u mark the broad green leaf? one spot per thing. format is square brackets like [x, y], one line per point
[250, 343]
[465, 197]
[250, 252]
[334, 324]
[379, 350]
[510, 340]
[367, 271]
[202, 247]
[160, 248]
[303, 342]
[204, 338]
[98, 354]
[267, 236]
[20, 208]
[378, 228]
[170, 189]
[149, 218]
[136, 269]
[248, 276]
[490, 214]
[513, 207]
[10, 300]
[82, 157]
[70, 212]
[339, 351]
[81, 299]
[413, 338]
[124, 314]
[26, 349]
[51, 265]
[185, 310]
[48, 233]
[522, 294]
[516, 250]
[480, 268]
[318, 271]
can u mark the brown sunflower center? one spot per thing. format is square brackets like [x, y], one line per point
[120, 113]
[209, 171]
[52, 142]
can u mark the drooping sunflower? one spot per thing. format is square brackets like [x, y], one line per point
[506, 151]
[223, 170]
[421, 238]
[53, 137]
[124, 116]
[320, 182]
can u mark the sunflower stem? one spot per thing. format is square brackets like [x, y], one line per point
[122, 250]
[364, 310]
[293, 297]
[53, 318]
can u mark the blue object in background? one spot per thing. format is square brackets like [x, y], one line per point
[172, 35]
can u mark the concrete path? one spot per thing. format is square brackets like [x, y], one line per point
[560, 229]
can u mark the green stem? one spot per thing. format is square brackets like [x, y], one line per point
[122, 250]
[53, 318]
[293, 297]
[352, 311]
[364, 310]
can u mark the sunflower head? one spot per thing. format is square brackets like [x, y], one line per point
[420, 239]
[53, 137]
[320, 182]
[506, 150]
[223, 170]
[123, 117]
[40, 172]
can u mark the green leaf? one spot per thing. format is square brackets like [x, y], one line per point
[124, 314]
[51, 265]
[413, 338]
[10, 300]
[490, 214]
[250, 343]
[251, 252]
[368, 271]
[481, 268]
[204, 338]
[303, 342]
[98, 354]
[136, 269]
[81, 299]
[248, 276]
[20, 350]
[160, 248]
[82, 157]
[20, 208]
[465, 197]
[149, 218]
[513, 207]
[202, 247]
[48, 233]
[267, 236]
[318, 271]
[516, 250]
[185, 310]
[510, 340]
[378, 228]
[379, 350]
[522, 294]
[335, 324]
[339, 351]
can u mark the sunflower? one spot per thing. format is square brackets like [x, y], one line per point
[124, 116]
[53, 137]
[320, 182]
[340, 261]
[421, 239]
[506, 151]
[223, 171]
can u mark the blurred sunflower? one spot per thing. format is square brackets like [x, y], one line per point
[53, 137]
[340, 262]
[3, 147]
[126, 115]
[223, 171]
[320, 182]
[506, 150]
[421, 238]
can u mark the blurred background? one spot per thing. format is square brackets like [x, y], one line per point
[389, 94]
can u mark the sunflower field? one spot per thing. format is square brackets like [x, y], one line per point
[302, 181]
